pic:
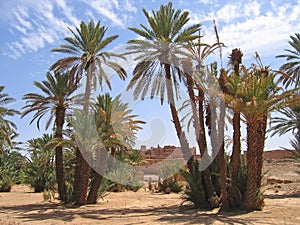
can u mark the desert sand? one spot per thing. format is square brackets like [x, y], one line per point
[282, 206]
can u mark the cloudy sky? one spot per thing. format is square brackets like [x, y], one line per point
[30, 29]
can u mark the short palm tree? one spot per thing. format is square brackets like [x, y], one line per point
[116, 127]
[55, 100]
[40, 173]
[292, 67]
[86, 58]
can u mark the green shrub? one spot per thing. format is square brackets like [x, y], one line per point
[169, 172]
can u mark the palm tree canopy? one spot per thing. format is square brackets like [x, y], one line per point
[85, 50]
[56, 94]
[163, 43]
[116, 124]
[292, 67]
[255, 93]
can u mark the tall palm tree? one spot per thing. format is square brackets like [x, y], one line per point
[159, 55]
[292, 67]
[87, 58]
[116, 126]
[235, 59]
[56, 99]
[194, 79]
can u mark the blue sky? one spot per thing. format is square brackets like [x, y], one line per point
[30, 29]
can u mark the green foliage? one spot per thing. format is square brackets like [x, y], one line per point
[164, 36]
[169, 172]
[40, 170]
[125, 177]
[12, 166]
[195, 191]
[292, 66]
[85, 53]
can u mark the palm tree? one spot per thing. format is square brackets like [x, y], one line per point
[40, 164]
[55, 99]
[195, 79]
[159, 55]
[116, 126]
[292, 67]
[7, 127]
[86, 57]
[235, 59]
[255, 94]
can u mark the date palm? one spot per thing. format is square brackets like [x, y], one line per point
[235, 59]
[86, 57]
[55, 99]
[255, 94]
[116, 127]
[159, 54]
[292, 66]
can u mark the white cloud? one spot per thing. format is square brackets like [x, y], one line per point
[252, 9]
[128, 6]
[38, 25]
[204, 1]
[106, 8]
[252, 27]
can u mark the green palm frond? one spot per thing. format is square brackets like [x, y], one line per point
[85, 53]
[56, 93]
[292, 66]
[163, 44]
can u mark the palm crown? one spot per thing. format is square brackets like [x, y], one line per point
[56, 93]
[86, 55]
[163, 45]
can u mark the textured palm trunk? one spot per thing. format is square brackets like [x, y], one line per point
[183, 142]
[223, 177]
[251, 201]
[82, 168]
[82, 174]
[200, 130]
[59, 159]
[234, 192]
[261, 136]
[101, 162]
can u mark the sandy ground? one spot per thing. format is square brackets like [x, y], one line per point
[22, 206]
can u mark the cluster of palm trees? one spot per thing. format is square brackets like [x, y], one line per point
[169, 55]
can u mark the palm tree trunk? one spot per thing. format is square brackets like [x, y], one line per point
[234, 192]
[101, 161]
[223, 177]
[210, 189]
[59, 159]
[221, 155]
[82, 168]
[82, 174]
[181, 136]
[261, 136]
[200, 133]
[251, 201]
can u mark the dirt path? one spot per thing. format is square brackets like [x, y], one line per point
[21, 206]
